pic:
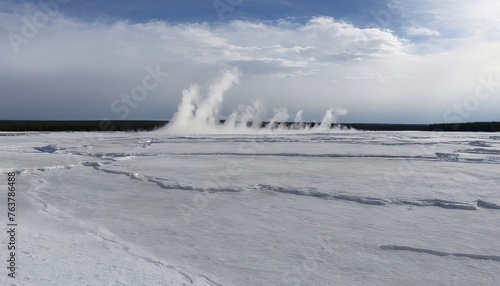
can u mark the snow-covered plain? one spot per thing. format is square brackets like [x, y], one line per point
[339, 208]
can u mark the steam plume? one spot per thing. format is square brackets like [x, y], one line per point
[199, 114]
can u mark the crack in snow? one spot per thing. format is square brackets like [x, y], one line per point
[440, 253]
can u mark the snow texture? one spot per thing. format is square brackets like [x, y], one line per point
[336, 208]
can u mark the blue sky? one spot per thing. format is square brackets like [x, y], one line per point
[398, 61]
[204, 10]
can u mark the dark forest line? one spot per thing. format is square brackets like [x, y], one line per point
[139, 125]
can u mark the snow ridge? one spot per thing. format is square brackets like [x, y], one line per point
[379, 201]
[440, 253]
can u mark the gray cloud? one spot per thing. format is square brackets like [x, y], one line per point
[72, 69]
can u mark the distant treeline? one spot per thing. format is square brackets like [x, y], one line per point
[129, 125]
[490, 126]
[387, 127]
[103, 125]
[469, 126]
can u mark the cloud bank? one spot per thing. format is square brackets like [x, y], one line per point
[74, 69]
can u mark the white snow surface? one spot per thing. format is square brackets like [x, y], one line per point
[343, 208]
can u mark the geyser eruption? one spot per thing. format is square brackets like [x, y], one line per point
[199, 114]
[246, 114]
[196, 113]
[331, 116]
[280, 116]
[208, 109]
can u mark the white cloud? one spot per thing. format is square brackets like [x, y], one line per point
[298, 49]
[323, 62]
[421, 31]
[456, 18]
